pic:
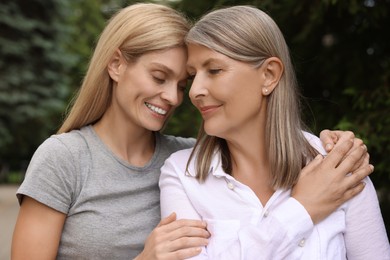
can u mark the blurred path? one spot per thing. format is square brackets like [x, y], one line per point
[9, 209]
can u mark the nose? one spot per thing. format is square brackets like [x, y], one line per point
[198, 88]
[171, 95]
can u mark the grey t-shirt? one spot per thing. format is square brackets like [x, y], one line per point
[111, 206]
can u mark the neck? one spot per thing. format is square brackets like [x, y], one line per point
[129, 142]
[250, 164]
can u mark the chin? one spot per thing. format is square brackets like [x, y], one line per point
[152, 126]
[155, 129]
[211, 131]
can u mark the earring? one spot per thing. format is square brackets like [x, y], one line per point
[266, 91]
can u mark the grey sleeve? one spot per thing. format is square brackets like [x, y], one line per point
[51, 176]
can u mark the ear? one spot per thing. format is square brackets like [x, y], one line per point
[115, 65]
[271, 71]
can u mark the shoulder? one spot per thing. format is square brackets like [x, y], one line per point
[180, 158]
[175, 143]
[54, 170]
[64, 146]
[75, 139]
[176, 163]
[314, 141]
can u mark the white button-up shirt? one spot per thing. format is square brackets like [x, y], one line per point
[242, 228]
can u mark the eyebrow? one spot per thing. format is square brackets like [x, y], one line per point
[164, 68]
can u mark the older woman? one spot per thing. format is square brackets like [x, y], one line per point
[252, 150]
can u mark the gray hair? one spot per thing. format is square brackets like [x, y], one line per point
[247, 34]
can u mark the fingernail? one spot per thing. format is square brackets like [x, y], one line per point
[364, 147]
[371, 167]
[328, 147]
[319, 156]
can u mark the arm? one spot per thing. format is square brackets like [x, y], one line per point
[37, 231]
[44, 197]
[365, 236]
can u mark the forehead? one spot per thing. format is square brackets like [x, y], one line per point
[196, 51]
[199, 55]
[173, 59]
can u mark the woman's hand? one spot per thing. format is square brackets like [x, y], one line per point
[326, 183]
[330, 138]
[175, 239]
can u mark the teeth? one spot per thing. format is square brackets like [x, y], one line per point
[156, 109]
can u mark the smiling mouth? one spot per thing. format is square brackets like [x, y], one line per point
[155, 109]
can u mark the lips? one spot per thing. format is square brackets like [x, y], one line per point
[156, 109]
[205, 110]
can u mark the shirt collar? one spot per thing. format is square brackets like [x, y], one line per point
[215, 166]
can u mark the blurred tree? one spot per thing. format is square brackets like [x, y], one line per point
[33, 72]
[86, 20]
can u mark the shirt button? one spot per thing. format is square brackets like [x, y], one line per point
[302, 243]
[266, 213]
[230, 185]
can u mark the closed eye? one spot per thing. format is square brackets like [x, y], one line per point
[159, 80]
[214, 71]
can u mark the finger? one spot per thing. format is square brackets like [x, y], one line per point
[187, 242]
[349, 163]
[167, 220]
[352, 192]
[338, 153]
[184, 253]
[328, 139]
[364, 161]
[357, 177]
[362, 173]
[187, 231]
[185, 223]
[356, 143]
[344, 135]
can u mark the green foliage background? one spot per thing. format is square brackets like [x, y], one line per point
[341, 51]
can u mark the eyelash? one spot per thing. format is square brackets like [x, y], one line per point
[214, 71]
[158, 80]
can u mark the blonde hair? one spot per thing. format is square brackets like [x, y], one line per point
[247, 34]
[135, 30]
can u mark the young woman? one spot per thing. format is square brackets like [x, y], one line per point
[252, 150]
[91, 191]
